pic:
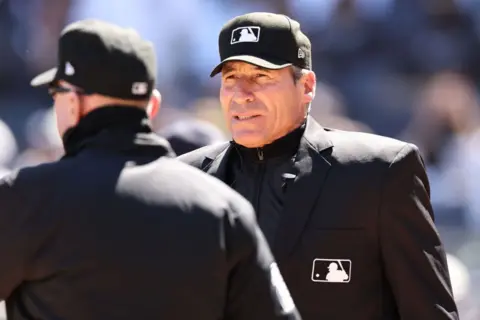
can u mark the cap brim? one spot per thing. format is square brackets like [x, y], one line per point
[44, 78]
[268, 64]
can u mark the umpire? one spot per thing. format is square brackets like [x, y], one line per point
[347, 214]
[108, 233]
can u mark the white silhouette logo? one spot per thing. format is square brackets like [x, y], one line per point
[245, 34]
[332, 270]
[69, 69]
[139, 88]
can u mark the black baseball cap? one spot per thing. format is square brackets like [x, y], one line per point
[268, 40]
[104, 58]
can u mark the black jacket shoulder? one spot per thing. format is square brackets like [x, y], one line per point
[349, 146]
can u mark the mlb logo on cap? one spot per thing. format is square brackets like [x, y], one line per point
[245, 34]
[331, 270]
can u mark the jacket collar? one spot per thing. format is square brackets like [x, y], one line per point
[314, 138]
[116, 128]
[284, 147]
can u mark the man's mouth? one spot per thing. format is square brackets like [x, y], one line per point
[243, 118]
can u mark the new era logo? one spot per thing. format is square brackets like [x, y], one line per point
[245, 34]
[331, 270]
[301, 53]
[69, 69]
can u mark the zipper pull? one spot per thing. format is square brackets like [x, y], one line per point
[260, 154]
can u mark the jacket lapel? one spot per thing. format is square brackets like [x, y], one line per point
[216, 163]
[310, 170]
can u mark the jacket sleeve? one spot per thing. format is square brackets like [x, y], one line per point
[256, 289]
[13, 240]
[413, 255]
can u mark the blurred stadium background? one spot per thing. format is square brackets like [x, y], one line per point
[403, 68]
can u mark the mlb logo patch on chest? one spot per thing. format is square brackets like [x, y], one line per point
[332, 270]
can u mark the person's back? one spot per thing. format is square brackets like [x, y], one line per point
[118, 229]
[115, 240]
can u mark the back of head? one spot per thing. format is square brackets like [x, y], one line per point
[100, 64]
[103, 58]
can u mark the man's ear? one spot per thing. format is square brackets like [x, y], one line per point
[154, 104]
[309, 84]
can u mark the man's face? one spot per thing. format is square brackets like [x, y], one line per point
[262, 105]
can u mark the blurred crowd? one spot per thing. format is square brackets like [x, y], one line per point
[408, 69]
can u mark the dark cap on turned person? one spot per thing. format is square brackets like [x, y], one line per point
[268, 40]
[103, 58]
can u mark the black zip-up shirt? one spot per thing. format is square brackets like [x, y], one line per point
[262, 175]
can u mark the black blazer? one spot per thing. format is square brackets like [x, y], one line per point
[359, 209]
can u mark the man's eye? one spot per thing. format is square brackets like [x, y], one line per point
[262, 77]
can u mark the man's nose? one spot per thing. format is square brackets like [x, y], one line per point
[243, 93]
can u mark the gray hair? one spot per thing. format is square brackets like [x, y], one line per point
[297, 74]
